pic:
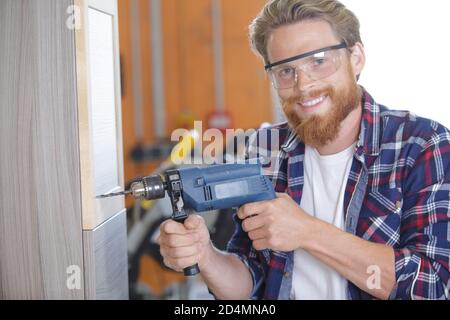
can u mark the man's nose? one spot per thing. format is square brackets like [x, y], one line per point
[304, 81]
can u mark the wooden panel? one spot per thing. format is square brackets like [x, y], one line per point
[106, 260]
[100, 136]
[101, 76]
[40, 213]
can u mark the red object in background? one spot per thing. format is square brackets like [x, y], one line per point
[220, 120]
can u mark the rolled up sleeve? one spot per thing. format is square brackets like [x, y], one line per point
[423, 257]
[241, 246]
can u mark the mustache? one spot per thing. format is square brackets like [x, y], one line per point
[303, 96]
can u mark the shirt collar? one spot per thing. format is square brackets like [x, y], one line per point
[369, 137]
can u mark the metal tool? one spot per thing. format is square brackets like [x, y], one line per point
[122, 193]
[203, 189]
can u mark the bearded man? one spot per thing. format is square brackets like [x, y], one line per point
[363, 206]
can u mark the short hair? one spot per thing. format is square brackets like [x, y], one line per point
[277, 13]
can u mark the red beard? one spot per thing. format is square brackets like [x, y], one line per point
[319, 130]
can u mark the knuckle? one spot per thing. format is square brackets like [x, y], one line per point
[167, 226]
[247, 208]
[200, 218]
[187, 262]
[245, 225]
[172, 242]
[168, 264]
[163, 228]
[172, 252]
[241, 212]
[273, 242]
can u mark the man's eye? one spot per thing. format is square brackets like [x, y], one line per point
[319, 61]
[286, 72]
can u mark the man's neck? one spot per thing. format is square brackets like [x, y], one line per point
[348, 134]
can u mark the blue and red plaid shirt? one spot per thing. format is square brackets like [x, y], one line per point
[398, 194]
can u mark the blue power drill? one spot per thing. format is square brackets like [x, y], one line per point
[202, 189]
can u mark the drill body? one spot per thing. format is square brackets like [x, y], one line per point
[208, 188]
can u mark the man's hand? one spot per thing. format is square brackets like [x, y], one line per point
[279, 224]
[184, 245]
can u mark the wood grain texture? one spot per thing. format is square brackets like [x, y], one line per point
[106, 261]
[103, 111]
[96, 211]
[40, 215]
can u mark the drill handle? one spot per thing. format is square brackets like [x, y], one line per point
[192, 270]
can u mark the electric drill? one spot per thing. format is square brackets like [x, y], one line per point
[202, 189]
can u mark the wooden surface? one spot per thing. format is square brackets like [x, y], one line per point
[40, 213]
[99, 159]
[103, 110]
[106, 260]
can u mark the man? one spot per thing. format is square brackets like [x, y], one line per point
[363, 207]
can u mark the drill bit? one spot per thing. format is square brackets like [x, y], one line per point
[122, 193]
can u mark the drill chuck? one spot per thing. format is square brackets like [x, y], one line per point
[149, 188]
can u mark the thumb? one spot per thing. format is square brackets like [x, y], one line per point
[192, 222]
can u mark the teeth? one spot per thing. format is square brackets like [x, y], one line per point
[313, 102]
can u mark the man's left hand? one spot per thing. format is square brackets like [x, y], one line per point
[279, 224]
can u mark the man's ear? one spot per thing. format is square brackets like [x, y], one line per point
[357, 59]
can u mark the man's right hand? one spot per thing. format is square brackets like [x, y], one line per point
[184, 245]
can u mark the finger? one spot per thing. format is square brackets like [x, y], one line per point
[260, 245]
[181, 252]
[181, 263]
[176, 240]
[169, 264]
[258, 234]
[253, 223]
[251, 209]
[193, 222]
[173, 227]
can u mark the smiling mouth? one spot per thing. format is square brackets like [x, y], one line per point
[312, 103]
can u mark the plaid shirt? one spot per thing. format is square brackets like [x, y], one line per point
[398, 194]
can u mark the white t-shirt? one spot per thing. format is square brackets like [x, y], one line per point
[323, 197]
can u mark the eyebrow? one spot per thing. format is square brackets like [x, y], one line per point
[304, 55]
